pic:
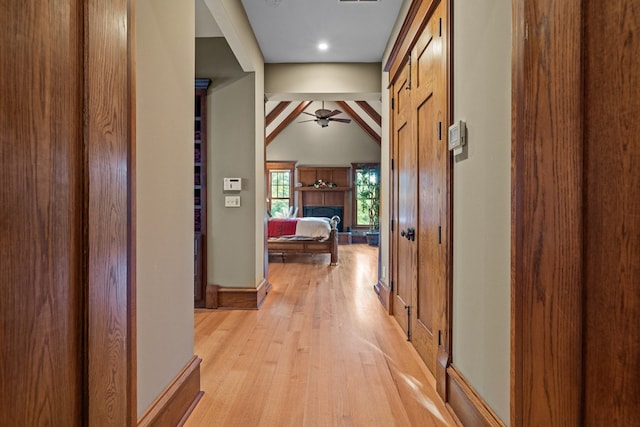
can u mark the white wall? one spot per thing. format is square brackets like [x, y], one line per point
[164, 190]
[230, 153]
[233, 22]
[338, 144]
[323, 81]
[481, 204]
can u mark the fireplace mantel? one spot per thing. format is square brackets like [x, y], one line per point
[307, 195]
[323, 189]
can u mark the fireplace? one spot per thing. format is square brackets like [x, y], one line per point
[325, 211]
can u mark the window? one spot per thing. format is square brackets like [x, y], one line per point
[279, 191]
[367, 195]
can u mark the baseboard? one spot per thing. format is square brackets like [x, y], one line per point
[384, 294]
[177, 401]
[242, 298]
[469, 408]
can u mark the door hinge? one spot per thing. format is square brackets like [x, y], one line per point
[439, 131]
[391, 286]
[392, 226]
[392, 165]
[440, 27]
[439, 235]
[439, 337]
[392, 103]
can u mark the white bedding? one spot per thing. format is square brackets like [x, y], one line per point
[313, 227]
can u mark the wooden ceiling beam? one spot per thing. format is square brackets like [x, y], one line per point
[277, 110]
[355, 116]
[370, 111]
[295, 113]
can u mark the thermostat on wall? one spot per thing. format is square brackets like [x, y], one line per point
[457, 136]
[232, 184]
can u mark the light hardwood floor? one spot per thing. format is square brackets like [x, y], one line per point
[320, 352]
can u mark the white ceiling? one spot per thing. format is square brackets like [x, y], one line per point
[290, 30]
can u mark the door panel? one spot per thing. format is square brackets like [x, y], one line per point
[404, 201]
[429, 98]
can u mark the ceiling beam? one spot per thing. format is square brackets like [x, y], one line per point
[295, 113]
[355, 116]
[370, 111]
[276, 112]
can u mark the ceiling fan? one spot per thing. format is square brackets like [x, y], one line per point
[323, 117]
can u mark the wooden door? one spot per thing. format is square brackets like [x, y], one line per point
[404, 202]
[66, 214]
[428, 96]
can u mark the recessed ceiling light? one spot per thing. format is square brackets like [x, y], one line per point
[323, 46]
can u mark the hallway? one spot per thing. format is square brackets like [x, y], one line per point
[320, 352]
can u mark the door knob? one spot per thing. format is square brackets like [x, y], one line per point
[402, 233]
[411, 234]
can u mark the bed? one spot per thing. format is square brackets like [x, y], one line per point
[308, 235]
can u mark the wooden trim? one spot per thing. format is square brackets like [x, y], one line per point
[384, 294]
[211, 296]
[547, 213]
[424, 9]
[243, 298]
[467, 405]
[177, 401]
[350, 111]
[403, 34]
[109, 232]
[287, 121]
[262, 290]
[370, 111]
[276, 112]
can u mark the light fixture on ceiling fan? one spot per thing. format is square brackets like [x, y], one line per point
[323, 117]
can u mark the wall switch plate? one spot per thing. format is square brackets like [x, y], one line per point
[231, 201]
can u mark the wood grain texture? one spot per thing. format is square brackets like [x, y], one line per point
[466, 403]
[242, 298]
[41, 248]
[320, 352]
[108, 132]
[547, 214]
[611, 365]
[177, 401]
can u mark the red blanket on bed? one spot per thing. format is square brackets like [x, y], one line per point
[282, 227]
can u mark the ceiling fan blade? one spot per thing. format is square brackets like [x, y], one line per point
[333, 113]
[304, 112]
[310, 120]
[340, 120]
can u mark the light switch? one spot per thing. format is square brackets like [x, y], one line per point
[231, 201]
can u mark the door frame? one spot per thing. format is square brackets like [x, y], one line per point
[110, 215]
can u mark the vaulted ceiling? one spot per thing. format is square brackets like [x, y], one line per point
[279, 115]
